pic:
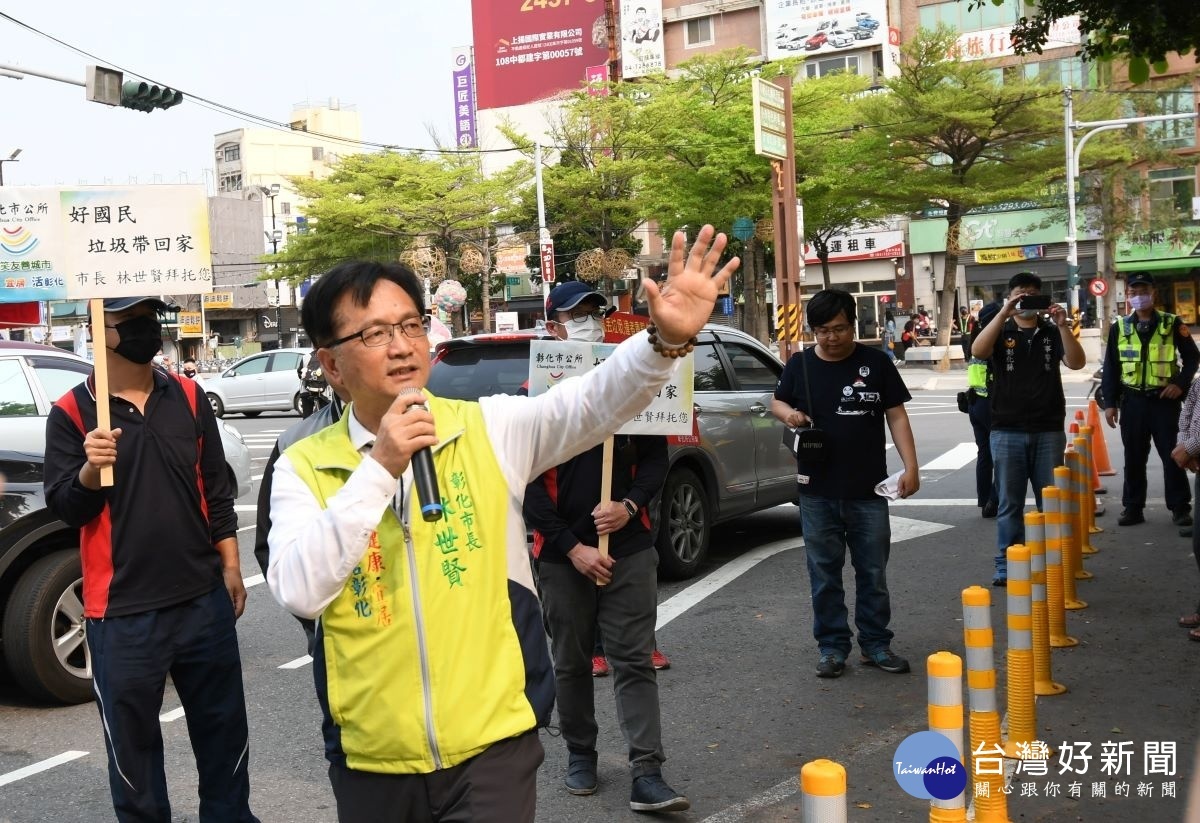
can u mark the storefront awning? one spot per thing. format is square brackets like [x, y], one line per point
[1165, 264]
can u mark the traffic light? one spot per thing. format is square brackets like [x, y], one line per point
[140, 95]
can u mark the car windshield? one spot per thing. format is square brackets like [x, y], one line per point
[471, 372]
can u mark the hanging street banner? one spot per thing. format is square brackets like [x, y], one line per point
[552, 361]
[642, 51]
[463, 82]
[102, 241]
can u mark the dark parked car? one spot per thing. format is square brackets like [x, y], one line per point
[41, 579]
[738, 466]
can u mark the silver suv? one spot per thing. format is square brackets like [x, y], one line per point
[739, 464]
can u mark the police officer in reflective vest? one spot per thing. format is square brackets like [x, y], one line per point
[1143, 388]
[979, 409]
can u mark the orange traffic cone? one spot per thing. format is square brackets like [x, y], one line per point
[1099, 447]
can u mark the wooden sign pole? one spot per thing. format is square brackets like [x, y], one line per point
[100, 362]
[605, 490]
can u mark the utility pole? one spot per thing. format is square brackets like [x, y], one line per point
[545, 241]
[12, 158]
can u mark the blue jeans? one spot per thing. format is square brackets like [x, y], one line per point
[1021, 459]
[829, 527]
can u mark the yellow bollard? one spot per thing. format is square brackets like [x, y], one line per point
[1069, 547]
[1035, 530]
[1087, 498]
[944, 676]
[823, 785]
[1022, 715]
[991, 804]
[1056, 616]
[1090, 458]
[1074, 459]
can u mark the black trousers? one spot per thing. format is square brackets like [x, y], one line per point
[1146, 418]
[499, 785]
[980, 412]
[196, 644]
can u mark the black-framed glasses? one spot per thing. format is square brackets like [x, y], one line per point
[381, 334]
[579, 315]
[832, 331]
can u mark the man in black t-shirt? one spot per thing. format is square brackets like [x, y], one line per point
[857, 389]
[1028, 407]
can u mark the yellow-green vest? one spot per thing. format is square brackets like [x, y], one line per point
[977, 376]
[1155, 367]
[430, 653]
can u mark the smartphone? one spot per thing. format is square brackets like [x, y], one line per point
[1032, 302]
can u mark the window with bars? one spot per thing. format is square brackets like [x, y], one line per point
[698, 32]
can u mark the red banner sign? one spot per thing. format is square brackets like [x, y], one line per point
[548, 261]
[527, 50]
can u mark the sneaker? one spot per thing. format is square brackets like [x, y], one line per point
[599, 665]
[1131, 517]
[581, 774]
[1186, 531]
[886, 660]
[1182, 517]
[989, 510]
[650, 793]
[1000, 580]
[831, 665]
[660, 661]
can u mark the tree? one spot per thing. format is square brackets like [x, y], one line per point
[1144, 32]
[955, 134]
[829, 152]
[375, 206]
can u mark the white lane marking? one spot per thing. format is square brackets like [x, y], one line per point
[944, 501]
[253, 580]
[266, 447]
[254, 477]
[40, 766]
[246, 529]
[174, 714]
[956, 458]
[299, 662]
[245, 507]
[776, 794]
[903, 528]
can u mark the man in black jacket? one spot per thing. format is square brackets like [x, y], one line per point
[581, 588]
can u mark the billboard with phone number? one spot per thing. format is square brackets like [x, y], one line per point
[528, 50]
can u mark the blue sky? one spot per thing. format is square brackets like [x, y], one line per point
[390, 61]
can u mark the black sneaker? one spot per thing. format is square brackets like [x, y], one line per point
[1185, 531]
[581, 774]
[1182, 517]
[1000, 581]
[887, 661]
[1131, 517]
[989, 510]
[830, 665]
[650, 793]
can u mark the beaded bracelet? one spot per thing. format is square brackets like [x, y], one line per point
[665, 350]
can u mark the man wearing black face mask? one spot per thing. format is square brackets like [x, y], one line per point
[162, 584]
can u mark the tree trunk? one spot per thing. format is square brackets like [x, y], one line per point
[824, 258]
[945, 300]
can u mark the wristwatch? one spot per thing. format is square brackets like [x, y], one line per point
[630, 507]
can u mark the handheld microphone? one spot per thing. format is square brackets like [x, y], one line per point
[425, 477]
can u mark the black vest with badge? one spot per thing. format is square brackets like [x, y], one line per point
[1027, 392]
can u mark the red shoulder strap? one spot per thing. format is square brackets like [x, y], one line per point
[70, 405]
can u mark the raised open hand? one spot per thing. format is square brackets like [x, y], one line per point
[681, 306]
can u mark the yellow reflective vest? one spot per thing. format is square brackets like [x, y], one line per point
[432, 652]
[1151, 366]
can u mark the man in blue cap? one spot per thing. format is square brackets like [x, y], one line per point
[1143, 387]
[162, 583]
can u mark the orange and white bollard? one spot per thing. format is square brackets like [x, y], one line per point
[1089, 467]
[991, 804]
[1056, 616]
[1068, 506]
[1035, 530]
[823, 785]
[1075, 462]
[944, 676]
[1022, 716]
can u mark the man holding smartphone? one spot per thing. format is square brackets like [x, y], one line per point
[1143, 388]
[1024, 343]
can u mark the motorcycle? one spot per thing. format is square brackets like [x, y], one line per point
[312, 400]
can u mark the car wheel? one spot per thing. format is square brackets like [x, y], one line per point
[217, 406]
[684, 524]
[45, 645]
[296, 405]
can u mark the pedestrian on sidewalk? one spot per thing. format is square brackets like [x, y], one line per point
[1149, 364]
[1187, 457]
[845, 391]
[1029, 410]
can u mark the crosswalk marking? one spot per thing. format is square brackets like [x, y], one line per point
[40, 766]
[956, 458]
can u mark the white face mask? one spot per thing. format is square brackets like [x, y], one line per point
[590, 330]
[158, 359]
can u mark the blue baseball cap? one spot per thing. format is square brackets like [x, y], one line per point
[120, 303]
[566, 296]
